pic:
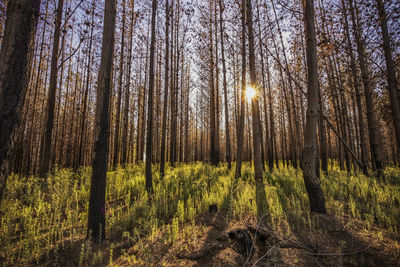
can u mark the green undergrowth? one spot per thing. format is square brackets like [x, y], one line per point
[40, 218]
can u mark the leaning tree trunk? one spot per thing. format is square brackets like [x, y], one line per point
[96, 218]
[315, 194]
[393, 85]
[15, 59]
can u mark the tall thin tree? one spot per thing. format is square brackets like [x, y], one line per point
[96, 218]
[51, 98]
[255, 110]
[166, 88]
[393, 85]
[149, 135]
[313, 187]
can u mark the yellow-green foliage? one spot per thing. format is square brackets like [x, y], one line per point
[39, 217]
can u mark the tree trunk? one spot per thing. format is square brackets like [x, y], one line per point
[166, 88]
[51, 98]
[371, 117]
[393, 86]
[315, 194]
[227, 130]
[258, 164]
[121, 73]
[97, 209]
[214, 157]
[15, 59]
[149, 135]
[125, 146]
[242, 106]
[355, 83]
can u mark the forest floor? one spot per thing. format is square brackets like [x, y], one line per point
[44, 224]
[208, 242]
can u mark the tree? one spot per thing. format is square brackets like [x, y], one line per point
[149, 135]
[51, 98]
[255, 110]
[15, 62]
[373, 129]
[96, 218]
[313, 187]
[393, 86]
[166, 88]
[83, 121]
[240, 133]
[125, 146]
[121, 73]
[227, 131]
[355, 82]
[214, 150]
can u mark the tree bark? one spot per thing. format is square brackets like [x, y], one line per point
[166, 88]
[355, 83]
[51, 98]
[15, 59]
[258, 164]
[214, 155]
[393, 86]
[121, 73]
[371, 117]
[315, 194]
[240, 133]
[149, 135]
[227, 130]
[125, 146]
[97, 209]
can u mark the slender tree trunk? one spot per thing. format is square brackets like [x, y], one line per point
[63, 123]
[240, 130]
[97, 209]
[32, 156]
[217, 98]
[119, 97]
[258, 164]
[315, 194]
[214, 157]
[371, 117]
[322, 135]
[227, 130]
[149, 135]
[296, 141]
[272, 140]
[267, 130]
[174, 89]
[393, 86]
[355, 83]
[125, 146]
[166, 88]
[46, 161]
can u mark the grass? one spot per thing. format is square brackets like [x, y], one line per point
[41, 218]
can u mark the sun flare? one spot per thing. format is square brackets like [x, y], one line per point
[250, 93]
